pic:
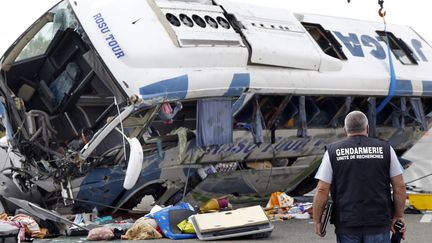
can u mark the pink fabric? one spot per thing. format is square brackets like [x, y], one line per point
[26, 221]
[21, 233]
[167, 109]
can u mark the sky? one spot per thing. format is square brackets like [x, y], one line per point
[17, 15]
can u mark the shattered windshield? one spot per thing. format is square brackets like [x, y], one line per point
[57, 19]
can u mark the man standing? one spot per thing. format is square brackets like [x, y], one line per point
[358, 171]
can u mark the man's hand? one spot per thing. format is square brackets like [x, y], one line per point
[403, 230]
[399, 197]
[318, 229]
[319, 203]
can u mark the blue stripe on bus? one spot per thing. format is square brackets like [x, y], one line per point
[403, 87]
[240, 82]
[169, 89]
[427, 88]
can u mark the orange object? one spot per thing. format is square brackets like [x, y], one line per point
[274, 200]
[279, 199]
[289, 123]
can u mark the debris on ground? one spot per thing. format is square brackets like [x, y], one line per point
[26, 225]
[100, 233]
[214, 219]
[282, 207]
[143, 229]
[168, 218]
[186, 227]
[249, 221]
[215, 205]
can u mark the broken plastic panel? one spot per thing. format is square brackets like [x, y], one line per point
[134, 165]
[42, 213]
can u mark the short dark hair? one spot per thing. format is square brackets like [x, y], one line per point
[356, 121]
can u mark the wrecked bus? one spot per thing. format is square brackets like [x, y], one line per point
[104, 103]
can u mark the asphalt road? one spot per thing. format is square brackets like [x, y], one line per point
[297, 231]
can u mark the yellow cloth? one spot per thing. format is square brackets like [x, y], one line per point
[186, 227]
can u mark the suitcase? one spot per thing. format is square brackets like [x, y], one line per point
[8, 233]
[250, 221]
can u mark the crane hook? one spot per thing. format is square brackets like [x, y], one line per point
[381, 12]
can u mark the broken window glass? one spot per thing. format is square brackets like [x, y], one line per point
[56, 20]
[183, 115]
[399, 48]
[325, 40]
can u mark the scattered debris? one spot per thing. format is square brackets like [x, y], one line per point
[282, 207]
[215, 205]
[104, 220]
[186, 227]
[100, 233]
[279, 199]
[250, 221]
[168, 218]
[143, 229]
